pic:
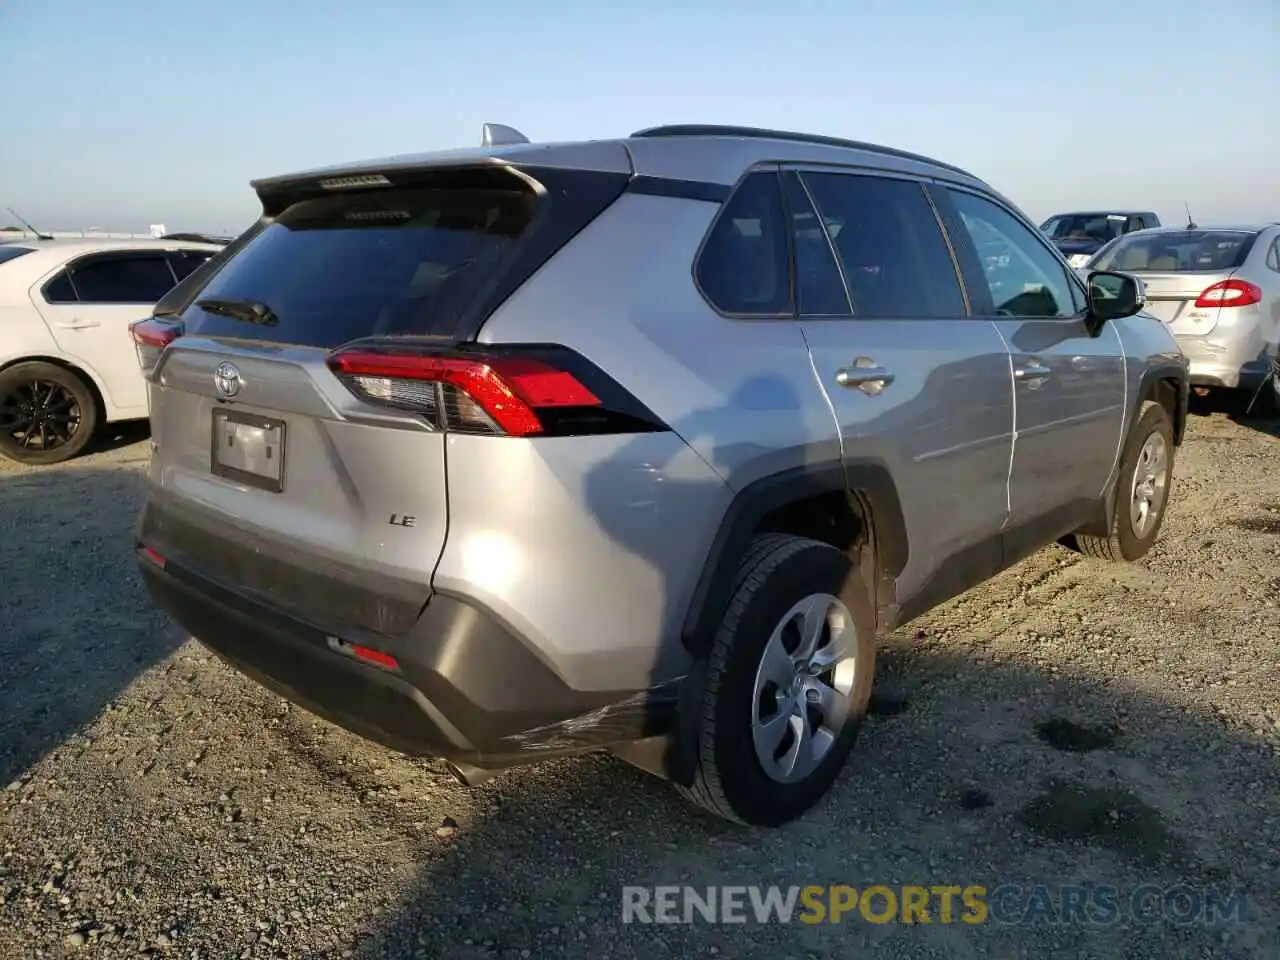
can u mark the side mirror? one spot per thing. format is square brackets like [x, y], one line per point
[1113, 296]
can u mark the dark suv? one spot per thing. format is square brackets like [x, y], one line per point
[1080, 235]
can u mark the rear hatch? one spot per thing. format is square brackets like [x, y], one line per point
[275, 473]
[1189, 275]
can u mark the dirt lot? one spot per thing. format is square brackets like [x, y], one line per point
[1071, 722]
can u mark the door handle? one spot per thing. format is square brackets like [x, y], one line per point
[866, 375]
[1032, 374]
[78, 324]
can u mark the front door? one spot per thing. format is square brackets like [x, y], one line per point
[1069, 385]
[917, 384]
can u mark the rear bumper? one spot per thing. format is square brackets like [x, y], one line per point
[1234, 362]
[462, 687]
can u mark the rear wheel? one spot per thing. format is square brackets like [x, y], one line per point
[786, 685]
[1142, 490]
[47, 413]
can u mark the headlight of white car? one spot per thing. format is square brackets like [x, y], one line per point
[1078, 259]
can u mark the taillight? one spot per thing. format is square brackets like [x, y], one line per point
[153, 556]
[1230, 293]
[504, 391]
[151, 336]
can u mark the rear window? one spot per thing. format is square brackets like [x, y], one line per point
[9, 252]
[1085, 226]
[407, 261]
[1178, 251]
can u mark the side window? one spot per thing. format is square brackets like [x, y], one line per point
[820, 290]
[129, 278]
[1273, 255]
[1025, 279]
[60, 290]
[894, 257]
[1133, 223]
[744, 267]
[185, 261]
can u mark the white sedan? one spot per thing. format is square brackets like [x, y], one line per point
[67, 361]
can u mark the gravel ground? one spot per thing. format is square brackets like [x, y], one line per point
[1069, 722]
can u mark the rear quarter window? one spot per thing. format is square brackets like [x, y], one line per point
[744, 268]
[407, 261]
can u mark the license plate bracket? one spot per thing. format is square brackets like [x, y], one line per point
[247, 448]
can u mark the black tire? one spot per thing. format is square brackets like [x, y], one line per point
[1125, 544]
[776, 572]
[64, 395]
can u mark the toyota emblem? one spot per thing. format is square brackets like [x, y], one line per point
[226, 380]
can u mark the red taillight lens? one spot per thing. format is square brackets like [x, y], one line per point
[154, 556]
[376, 657]
[496, 394]
[151, 336]
[1230, 293]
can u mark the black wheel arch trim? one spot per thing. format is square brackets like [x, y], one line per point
[1157, 373]
[868, 478]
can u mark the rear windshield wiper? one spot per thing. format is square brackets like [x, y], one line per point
[247, 310]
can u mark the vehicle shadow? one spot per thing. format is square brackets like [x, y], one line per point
[75, 625]
[1235, 405]
[991, 771]
[113, 436]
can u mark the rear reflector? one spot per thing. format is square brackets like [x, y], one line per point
[369, 655]
[153, 555]
[507, 391]
[151, 336]
[1230, 293]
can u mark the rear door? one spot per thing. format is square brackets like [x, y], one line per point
[916, 381]
[259, 440]
[88, 307]
[1069, 386]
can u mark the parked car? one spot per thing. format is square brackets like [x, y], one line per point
[515, 452]
[198, 238]
[1217, 289]
[1080, 235]
[67, 362]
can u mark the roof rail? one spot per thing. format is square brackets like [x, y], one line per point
[760, 133]
[500, 135]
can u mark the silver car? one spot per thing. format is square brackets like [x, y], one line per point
[511, 453]
[1217, 290]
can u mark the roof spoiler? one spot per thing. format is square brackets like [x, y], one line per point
[500, 135]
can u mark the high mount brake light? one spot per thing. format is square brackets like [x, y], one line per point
[1230, 293]
[543, 391]
[151, 336]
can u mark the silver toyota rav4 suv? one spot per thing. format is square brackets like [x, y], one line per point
[511, 453]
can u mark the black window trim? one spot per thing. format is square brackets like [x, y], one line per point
[1072, 278]
[794, 174]
[926, 184]
[69, 268]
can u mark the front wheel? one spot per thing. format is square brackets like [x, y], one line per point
[1142, 490]
[47, 413]
[783, 692]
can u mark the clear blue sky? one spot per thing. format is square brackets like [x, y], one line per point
[121, 113]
